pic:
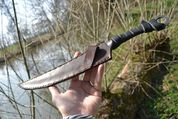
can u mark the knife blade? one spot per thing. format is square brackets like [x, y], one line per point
[93, 56]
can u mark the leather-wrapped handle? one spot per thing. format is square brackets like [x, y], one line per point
[145, 27]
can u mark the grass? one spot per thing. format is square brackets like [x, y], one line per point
[163, 105]
[166, 105]
[154, 6]
[13, 49]
[167, 3]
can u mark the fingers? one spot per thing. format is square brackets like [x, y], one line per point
[99, 76]
[76, 54]
[54, 90]
[77, 77]
[55, 93]
[93, 74]
[90, 74]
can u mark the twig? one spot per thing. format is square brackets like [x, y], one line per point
[45, 101]
[153, 88]
[20, 43]
[7, 71]
[147, 94]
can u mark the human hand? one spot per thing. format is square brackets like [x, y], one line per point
[81, 97]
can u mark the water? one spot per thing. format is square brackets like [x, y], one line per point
[46, 57]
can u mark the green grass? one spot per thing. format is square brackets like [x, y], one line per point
[155, 5]
[166, 105]
[11, 49]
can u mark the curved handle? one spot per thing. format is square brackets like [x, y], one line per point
[145, 27]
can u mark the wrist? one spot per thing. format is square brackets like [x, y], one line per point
[79, 116]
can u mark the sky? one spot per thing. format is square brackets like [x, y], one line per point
[4, 20]
[22, 14]
[3, 23]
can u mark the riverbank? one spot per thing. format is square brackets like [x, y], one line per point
[14, 50]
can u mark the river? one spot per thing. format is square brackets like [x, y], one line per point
[46, 56]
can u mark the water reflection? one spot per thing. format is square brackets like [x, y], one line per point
[39, 60]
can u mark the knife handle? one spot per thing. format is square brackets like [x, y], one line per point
[145, 27]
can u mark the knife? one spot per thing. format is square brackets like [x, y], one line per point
[93, 56]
